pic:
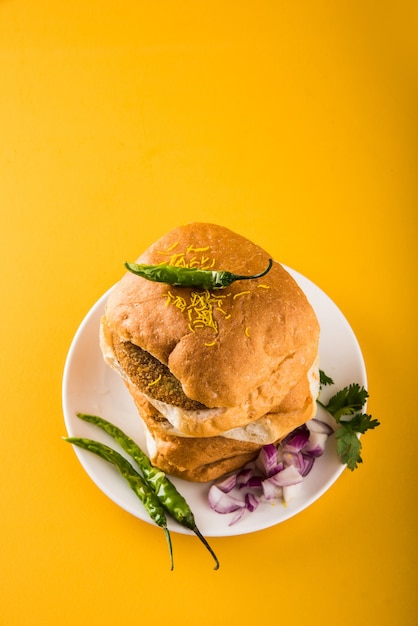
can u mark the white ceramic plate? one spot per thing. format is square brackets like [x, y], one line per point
[90, 386]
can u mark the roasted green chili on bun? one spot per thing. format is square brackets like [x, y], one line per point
[190, 276]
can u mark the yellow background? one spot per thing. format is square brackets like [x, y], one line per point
[293, 123]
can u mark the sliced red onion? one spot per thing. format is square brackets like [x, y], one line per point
[296, 441]
[316, 444]
[276, 474]
[238, 515]
[268, 459]
[222, 502]
[308, 463]
[290, 492]
[316, 425]
[302, 461]
[255, 481]
[293, 458]
[228, 483]
[244, 476]
[289, 476]
[251, 502]
[271, 490]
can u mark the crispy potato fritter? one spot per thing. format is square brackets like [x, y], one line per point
[151, 376]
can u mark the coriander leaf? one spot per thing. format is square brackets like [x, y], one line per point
[324, 379]
[362, 422]
[347, 401]
[348, 446]
[348, 442]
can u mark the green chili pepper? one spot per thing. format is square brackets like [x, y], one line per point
[189, 276]
[141, 488]
[165, 490]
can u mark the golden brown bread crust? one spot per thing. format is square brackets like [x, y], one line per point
[197, 459]
[246, 351]
[201, 459]
[254, 340]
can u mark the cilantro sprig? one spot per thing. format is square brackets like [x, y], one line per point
[345, 407]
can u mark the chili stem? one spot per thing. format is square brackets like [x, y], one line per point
[263, 273]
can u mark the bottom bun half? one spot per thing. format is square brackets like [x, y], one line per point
[203, 459]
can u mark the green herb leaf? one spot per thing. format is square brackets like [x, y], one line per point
[347, 401]
[324, 380]
[362, 422]
[348, 442]
[348, 447]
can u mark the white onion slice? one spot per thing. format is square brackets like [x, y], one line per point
[222, 502]
[228, 483]
[287, 477]
[316, 425]
[316, 444]
[290, 492]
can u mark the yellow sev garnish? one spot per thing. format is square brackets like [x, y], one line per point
[171, 248]
[200, 305]
[241, 293]
[178, 259]
[200, 308]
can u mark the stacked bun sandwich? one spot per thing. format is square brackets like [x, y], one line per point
[215, 373]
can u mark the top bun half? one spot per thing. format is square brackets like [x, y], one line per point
[242, 346]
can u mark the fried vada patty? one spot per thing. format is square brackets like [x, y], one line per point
[144, 370]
